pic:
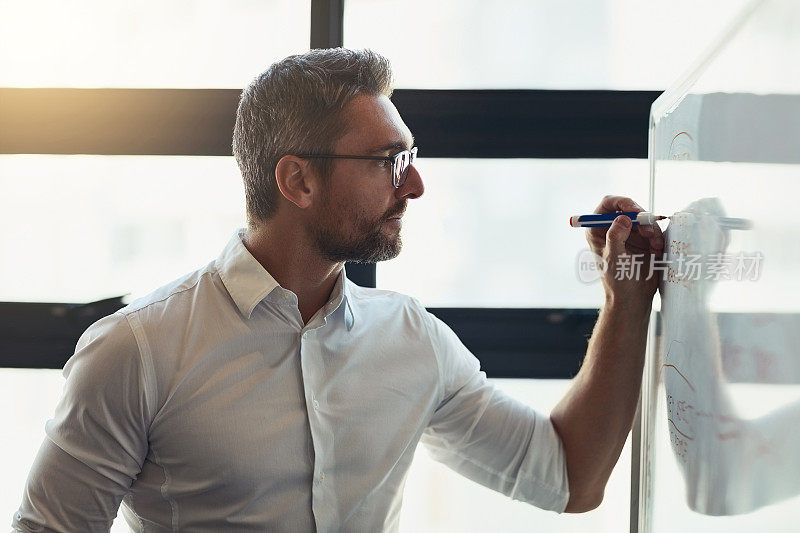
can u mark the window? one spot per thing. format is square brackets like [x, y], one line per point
[178, 44]
[540, 44]
[88, 227]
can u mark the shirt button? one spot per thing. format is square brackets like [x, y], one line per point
[316, 405]
[321, 476]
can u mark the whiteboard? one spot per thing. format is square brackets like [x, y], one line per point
[719, 428]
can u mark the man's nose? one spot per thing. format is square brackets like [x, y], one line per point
[413, 187]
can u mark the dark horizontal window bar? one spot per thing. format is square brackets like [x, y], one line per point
[517, 343]
[117, 121]
[363, 274]
[446, 123]
[44, 335]
[528, 123]
[523, 343]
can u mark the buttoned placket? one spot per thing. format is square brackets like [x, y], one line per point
[322, 495]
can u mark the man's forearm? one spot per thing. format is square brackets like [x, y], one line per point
[594, 418]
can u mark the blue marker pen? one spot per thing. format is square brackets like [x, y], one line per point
[606, 219]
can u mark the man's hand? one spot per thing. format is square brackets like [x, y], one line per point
[639, 243]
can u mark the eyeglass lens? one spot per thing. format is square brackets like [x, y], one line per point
[402, 162]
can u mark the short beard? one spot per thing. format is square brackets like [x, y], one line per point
[372, 246]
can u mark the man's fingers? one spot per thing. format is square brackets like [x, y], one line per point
[617, 234]
[636, 243]
[611, 204]
[596, 236]
[641, 239]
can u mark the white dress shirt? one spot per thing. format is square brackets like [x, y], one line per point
[208, 405]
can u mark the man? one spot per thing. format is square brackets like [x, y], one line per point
[267, 392]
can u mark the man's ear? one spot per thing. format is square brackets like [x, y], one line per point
[296, 180]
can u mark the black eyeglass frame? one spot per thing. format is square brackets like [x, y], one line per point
[399, 175]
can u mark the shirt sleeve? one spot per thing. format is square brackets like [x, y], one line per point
[97, 440]
[489, 437]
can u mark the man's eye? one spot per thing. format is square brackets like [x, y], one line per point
[384, 163]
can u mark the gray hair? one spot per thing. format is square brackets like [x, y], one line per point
[295, 107]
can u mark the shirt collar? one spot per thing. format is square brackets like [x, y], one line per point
[248, 282]
[349, 313]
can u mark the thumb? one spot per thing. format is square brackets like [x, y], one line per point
[617, 234]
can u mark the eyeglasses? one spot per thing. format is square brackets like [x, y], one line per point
[400, 162]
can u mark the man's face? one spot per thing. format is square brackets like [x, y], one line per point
[359, 217]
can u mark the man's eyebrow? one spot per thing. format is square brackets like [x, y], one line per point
[396, 145]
